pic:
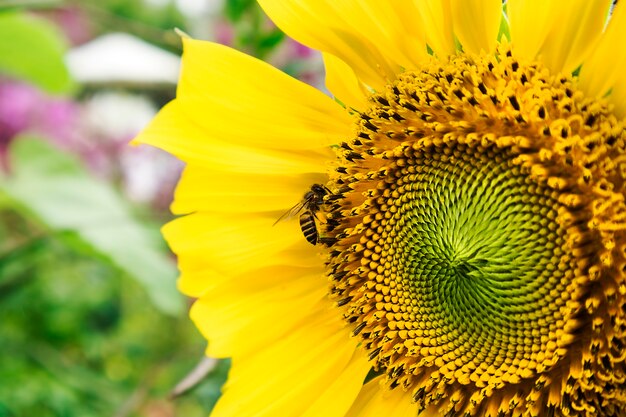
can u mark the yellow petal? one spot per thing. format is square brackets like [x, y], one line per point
[476, 23]
[618, 98]
[174, 132]
[196, 282]
[268, 123]
[204, 189]
[389, 26]
[606, 64]
[342, 82]
[232, 244]
[341, 393]
[221, 92]
[220, 98]
[530, 21]
[292, 373]
[575, 31]
[375, 400]
[318, 26]
[373, 38]
[436, 17]
[246, 313]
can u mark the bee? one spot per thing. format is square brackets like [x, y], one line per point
[308, 208]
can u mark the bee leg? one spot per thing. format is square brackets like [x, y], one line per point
[321, 220]
[327, 241]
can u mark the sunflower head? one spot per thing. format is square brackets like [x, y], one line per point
[466, 193]
[480, 246]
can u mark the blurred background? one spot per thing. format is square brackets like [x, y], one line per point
[91, 323]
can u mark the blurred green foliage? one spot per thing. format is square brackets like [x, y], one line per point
[91, 322]
[59, 193]
[32, 49]
[80, 339]
[79, 336]
[151, 23]
[164, 16]
[254, 33]
[235, 10]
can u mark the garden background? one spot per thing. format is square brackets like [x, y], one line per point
[91, 323]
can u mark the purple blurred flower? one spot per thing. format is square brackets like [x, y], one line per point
[224, 32]
[25, 109]
[147, 175]
[16, 101]
[97, 131]
[73, 20]
[299, 50]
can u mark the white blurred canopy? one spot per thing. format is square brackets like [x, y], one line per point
[122, 58]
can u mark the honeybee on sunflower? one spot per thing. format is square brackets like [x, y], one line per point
[475, 163]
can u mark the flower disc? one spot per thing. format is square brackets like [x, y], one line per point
[478, 228]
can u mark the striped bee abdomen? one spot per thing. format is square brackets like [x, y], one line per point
[309, 227]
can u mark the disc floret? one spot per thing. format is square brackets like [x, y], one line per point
[480, 245]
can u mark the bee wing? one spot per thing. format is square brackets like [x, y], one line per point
[291, 212]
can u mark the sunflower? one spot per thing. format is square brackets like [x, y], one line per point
[464, 193]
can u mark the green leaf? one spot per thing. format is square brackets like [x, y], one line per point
[57, 190]
[235, 9]
[270, 41]
[32, 49]
[504, 26]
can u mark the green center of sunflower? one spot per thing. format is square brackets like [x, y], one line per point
[479, 226]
